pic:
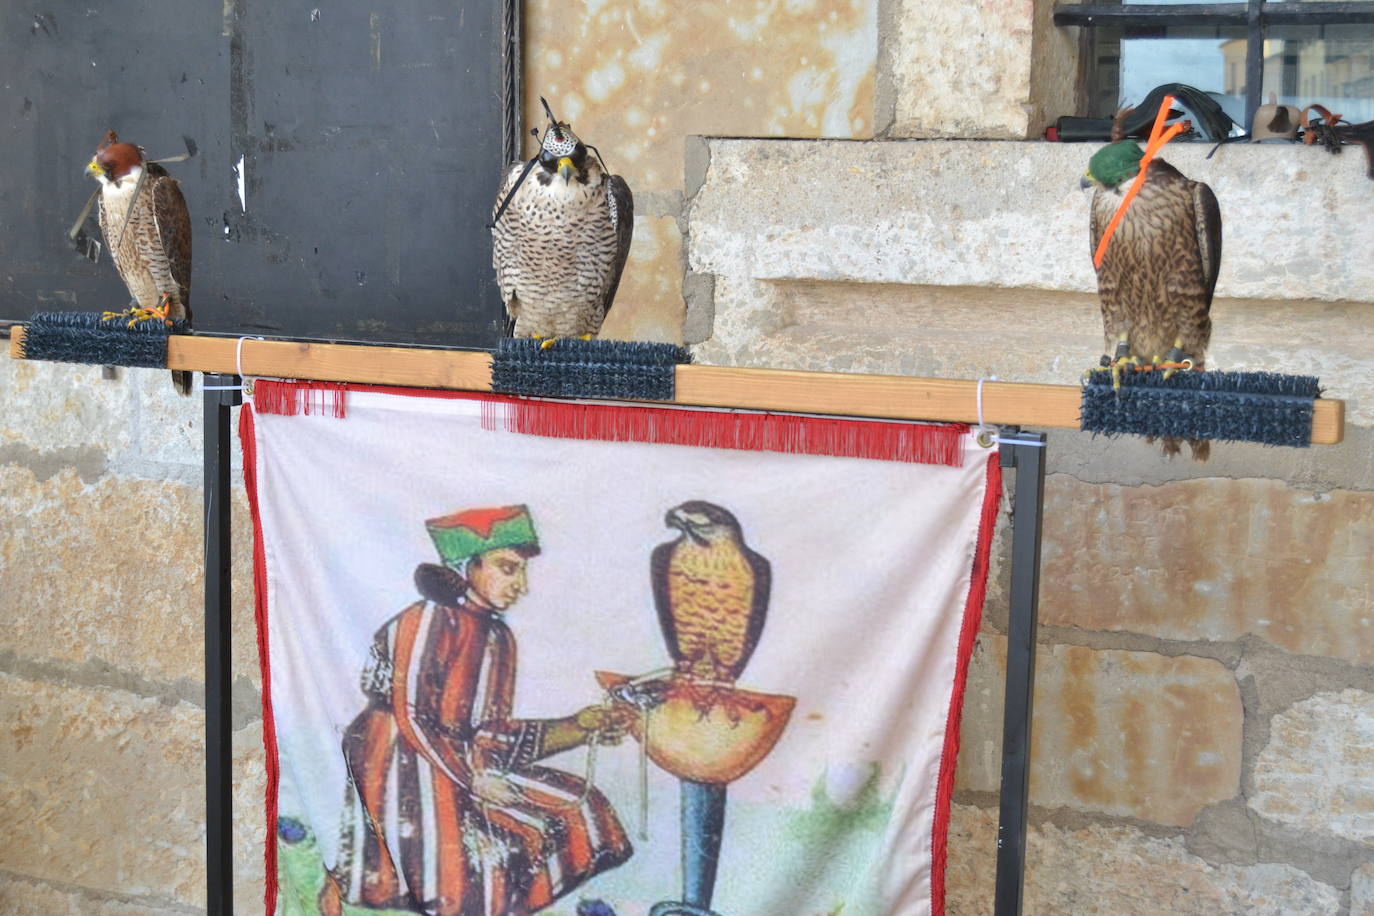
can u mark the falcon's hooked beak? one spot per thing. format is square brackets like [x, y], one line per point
[1086, 181]
[94, 169]
[680, 521]
[566, 169]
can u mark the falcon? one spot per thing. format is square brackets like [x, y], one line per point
[711, 592]
[147, 228]
[1159, 271]
[560, 236]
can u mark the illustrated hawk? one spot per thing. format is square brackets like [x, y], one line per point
[147, 228]
[560, 245]
[711, 592]
[1159, 271]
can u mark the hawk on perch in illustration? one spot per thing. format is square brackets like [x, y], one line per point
[1159, 270]
[711, 591]
[147, 228]
[561, 230]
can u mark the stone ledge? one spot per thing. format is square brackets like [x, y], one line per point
[1010, 214]
[1025, 335]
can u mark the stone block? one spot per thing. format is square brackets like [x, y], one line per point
[57, 407]
[1118, 871]
[1212, 559]
[635, 78]
[962, 69]
[1317, 771]
[105, 790]
[649, 304]
[968, 213]
[1131, 734]
[1362, 891]
[170, 426]
[28, 897]
[105, 579]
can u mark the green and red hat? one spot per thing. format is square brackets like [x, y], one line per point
[472, 531]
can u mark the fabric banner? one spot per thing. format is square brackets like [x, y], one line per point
[512, 666]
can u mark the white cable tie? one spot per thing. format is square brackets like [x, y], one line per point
[987, 435]
[224, 387]
[238, 354]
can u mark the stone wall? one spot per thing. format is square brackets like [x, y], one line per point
[1206, 668]
[1205, 693]
[101, 660]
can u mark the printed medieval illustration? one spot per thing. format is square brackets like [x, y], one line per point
[517, 673]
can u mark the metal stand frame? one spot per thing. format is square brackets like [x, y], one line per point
[1020, 450]
[219, 735]
[1027, 456]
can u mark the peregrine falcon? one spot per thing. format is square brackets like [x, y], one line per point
[711, 592]
[1158, 273]
[147, 228]
[560, 238]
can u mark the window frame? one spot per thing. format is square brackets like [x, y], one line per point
[1256, 16]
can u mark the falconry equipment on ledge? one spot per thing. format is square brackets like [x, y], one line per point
[147, 228]
[560, 236]
[1157, 265]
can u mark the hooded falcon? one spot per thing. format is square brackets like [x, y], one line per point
[711, 592]
[1159, 270]
[147, 228]
[560, 236]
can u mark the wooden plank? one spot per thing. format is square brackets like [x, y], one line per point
[409, 367]
[894, 397]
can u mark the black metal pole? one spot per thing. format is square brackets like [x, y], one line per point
[219, 849]
[1254, 61]
[1029, 461]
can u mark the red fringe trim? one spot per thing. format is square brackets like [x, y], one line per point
[920, 443]
[269, 725]
[881, 440]
[292, 397]
[968, 633]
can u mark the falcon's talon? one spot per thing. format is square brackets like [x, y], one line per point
[1118, 366]
[547, 342]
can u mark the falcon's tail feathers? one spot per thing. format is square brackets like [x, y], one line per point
[182, 381]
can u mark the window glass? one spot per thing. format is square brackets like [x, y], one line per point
[1131, 62]
[1331, 64]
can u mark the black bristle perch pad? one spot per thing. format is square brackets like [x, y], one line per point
[575, 368]
[1227, 406]
[84, 337]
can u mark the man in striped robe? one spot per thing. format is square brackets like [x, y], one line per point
[447, 810]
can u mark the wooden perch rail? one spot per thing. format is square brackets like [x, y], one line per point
[892, 397]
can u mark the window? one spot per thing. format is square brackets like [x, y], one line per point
[1240, 53]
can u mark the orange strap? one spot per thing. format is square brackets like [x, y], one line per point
[1158, 137]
